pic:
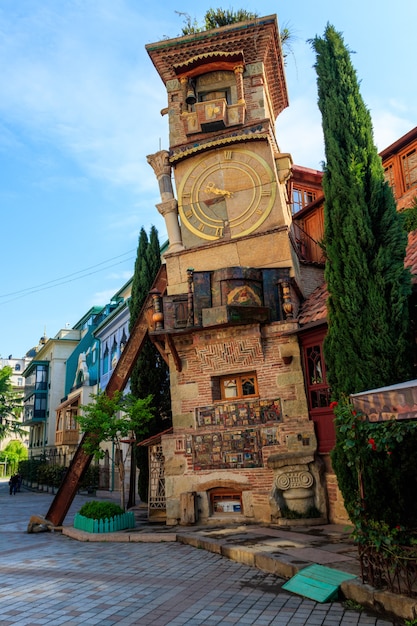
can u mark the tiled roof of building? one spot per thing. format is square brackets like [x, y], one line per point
[314, 308]
[254, 41]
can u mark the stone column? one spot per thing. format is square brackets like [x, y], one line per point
[168, 208]
[238, 71]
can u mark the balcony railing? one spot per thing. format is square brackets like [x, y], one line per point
[66, 437]
[213, 115]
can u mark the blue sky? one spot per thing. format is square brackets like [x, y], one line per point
[80, 110]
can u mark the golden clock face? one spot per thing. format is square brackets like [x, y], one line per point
[226, 194]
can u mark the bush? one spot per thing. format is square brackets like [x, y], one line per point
[28, 469]
[100, 510]
[89, 482]
[409, 216]
[376, 468]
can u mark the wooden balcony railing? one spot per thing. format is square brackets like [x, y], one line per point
[66, 437]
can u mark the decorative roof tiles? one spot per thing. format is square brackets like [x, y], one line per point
[255, 41]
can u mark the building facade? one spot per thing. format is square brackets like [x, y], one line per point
[18, 385]
[45, 379]
[81, 381]
[400, 167]
[112, 334]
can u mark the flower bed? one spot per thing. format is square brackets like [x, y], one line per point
[107, 525]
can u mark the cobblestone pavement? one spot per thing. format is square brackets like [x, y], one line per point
[48, 578]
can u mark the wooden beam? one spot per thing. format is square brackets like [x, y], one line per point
[175, 356]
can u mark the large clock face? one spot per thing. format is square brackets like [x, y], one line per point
[226, 194]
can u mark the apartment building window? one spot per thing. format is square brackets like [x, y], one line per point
[300, 198]
[41, 377]
[389, 177]
[238, 386]
[39, 411]
[409, 167]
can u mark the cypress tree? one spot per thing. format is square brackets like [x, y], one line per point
[139, 288]
[368, 343]
[150, 373]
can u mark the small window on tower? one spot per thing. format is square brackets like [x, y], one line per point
[214, 95]
[239, 386]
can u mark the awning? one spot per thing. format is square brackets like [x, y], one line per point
[155, 439]
[393, 402]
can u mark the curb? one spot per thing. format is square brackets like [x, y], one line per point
[118, 537]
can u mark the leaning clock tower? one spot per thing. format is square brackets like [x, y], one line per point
[241, 444]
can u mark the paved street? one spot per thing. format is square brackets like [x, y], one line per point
[48, 578]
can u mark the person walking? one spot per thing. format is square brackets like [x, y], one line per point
[13, 484]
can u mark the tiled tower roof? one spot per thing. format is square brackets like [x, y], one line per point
[253, 42]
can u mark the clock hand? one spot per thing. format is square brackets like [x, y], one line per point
[211, 188]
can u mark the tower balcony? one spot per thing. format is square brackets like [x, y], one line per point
[213, 115]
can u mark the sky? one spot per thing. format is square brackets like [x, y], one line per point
[80, 110]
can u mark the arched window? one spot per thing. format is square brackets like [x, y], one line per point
[114, 354]
[106, 360]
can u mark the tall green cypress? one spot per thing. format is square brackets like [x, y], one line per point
[139, 290]
[368, 342]
[150, 374]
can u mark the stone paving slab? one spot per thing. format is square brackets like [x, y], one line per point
[162, 580]
[281, 552]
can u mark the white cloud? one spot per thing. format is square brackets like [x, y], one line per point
[299, 132]
[79, 92]
[389, 126]
[122, 277]
[100, 298]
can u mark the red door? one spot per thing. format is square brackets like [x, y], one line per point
[318, 392]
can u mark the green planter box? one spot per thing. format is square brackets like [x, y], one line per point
[108, 525]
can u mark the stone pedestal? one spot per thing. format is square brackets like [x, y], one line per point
[298, 485]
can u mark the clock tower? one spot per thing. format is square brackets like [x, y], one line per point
[241, 435]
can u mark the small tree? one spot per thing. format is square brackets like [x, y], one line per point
[215, 18]
[12, 454]
[114, 419]
[10, 406]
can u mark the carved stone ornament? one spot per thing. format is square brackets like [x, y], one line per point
[294, 480]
